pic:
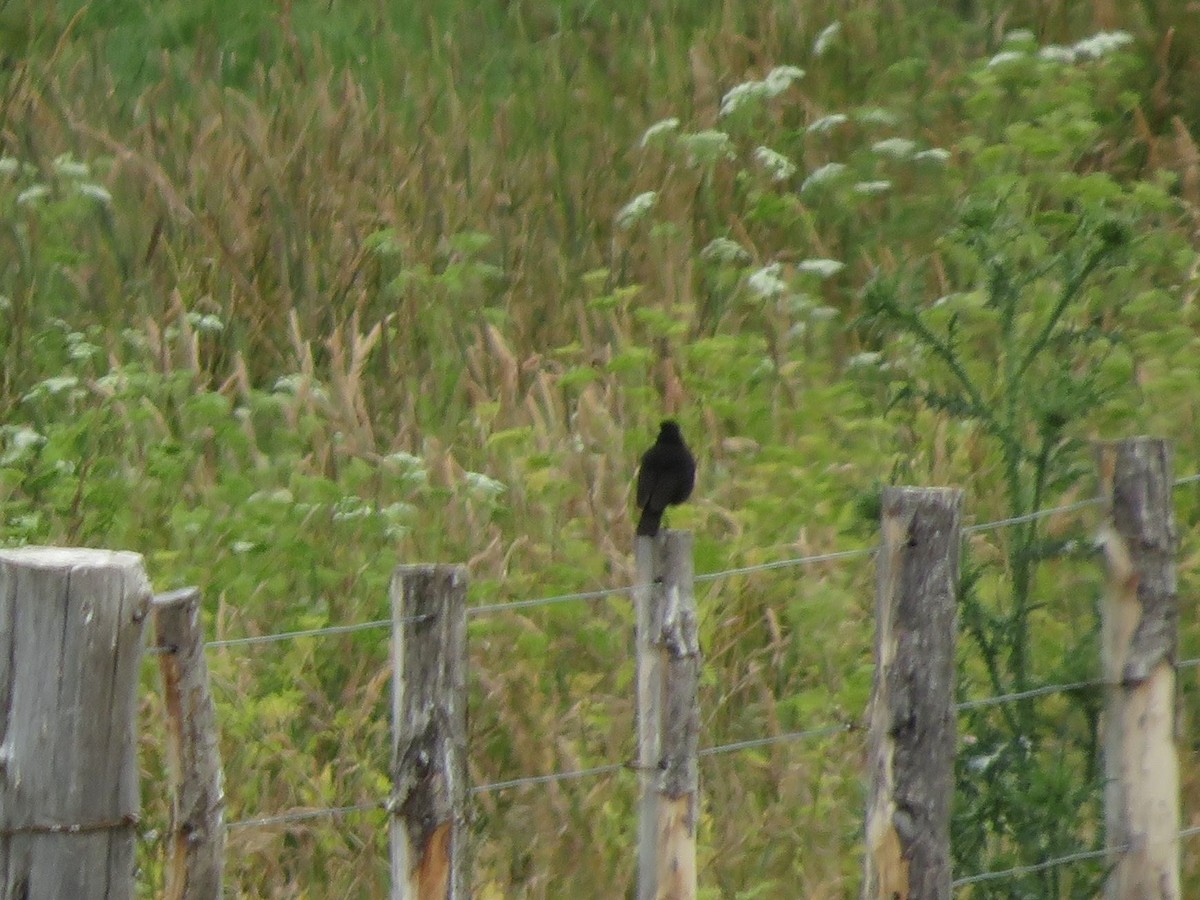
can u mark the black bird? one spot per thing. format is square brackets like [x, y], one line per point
[667, 476]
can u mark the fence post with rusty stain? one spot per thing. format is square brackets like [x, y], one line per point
[429, 712]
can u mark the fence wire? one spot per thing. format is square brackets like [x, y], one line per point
[1033, 516]
[699, 579]
[821, 731]
[966, 881]
[553, 777]
[601, 593]
[491, 608]
[835, 556]
[304, 815]
[292, 818]
[1048, 689]
[1055, 862]
[786, 737]
[733, 747]
[570, 775]
[291, 635]
[1043, 691]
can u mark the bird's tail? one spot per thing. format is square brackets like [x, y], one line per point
[649, 522]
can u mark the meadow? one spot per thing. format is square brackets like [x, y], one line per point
[292, 293]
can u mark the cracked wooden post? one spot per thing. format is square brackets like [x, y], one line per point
[197, 837]
[668, 668]
[70, 660]
[429, 714]
[1140, 636]
[912, 724]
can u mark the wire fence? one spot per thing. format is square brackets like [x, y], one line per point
[1055, 862]
[303, 815]
[602, 593]
[491, 608]
[297, 816]
[733, 747]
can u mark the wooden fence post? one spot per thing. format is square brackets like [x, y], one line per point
[429, 712]
[1140, 637]
[668, 669]
[70, 651]
[911, 737]
[197, 843]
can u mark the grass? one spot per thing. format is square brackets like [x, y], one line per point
[358, 298]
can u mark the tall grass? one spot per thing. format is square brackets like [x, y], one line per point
[358, 298]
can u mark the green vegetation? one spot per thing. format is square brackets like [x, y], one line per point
[292, 293]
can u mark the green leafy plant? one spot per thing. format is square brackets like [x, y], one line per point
[1029, 353]
[291, 294]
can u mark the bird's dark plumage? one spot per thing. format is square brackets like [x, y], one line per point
[666, 477]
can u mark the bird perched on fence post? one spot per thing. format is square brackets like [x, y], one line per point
[666, 477]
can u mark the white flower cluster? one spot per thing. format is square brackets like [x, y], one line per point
[769, 283]
[766, 282]
[824, 268]
[484, 485]
[826, 38]
[636, 209]
[828, 172]
[707, 146]
[1098, 45]
[659, 129]
[777, 81]
[780, 167]
[723, 250]
[869, 188]
[1004, 57]
[934, 154]
[896, 147]
[825, 124]
[64, 167]
[877, 115]
[20, 442]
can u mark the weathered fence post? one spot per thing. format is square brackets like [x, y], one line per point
[912, 723]
[70, 651]
[429, 712]
[1140, 635]
[197, 842]
[668, 668]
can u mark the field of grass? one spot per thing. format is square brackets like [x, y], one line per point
[291, 293]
